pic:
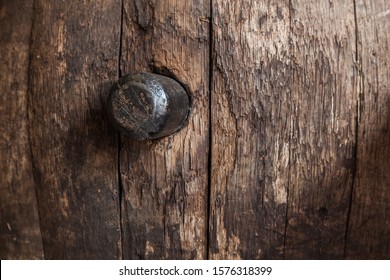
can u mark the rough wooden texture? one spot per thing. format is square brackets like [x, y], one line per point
[322, 128]
[74, 60]
[298, 121]
[369, 226]
[283, 128]
[165, 181]
[250, 129]
[20, 236]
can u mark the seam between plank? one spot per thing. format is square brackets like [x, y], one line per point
[210, 87]
[357, 122]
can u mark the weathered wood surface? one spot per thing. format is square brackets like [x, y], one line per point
[74, 61]
[20, 236]
[250, 120]
[286, 97]
[165, 182]
[322, 116]
[285, 128]
[285, 154]
[369, 226]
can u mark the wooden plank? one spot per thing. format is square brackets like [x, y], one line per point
[283, 122]
[250, 129]
[369, 226]
[20, 236]
[74, 60]
[322, 116]
[165, 181]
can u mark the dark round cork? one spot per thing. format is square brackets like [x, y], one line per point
[147, 106]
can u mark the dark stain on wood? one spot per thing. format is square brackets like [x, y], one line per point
[73, 57]
[369, 228]
[20, 235]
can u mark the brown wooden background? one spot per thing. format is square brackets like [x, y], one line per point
[286, 154]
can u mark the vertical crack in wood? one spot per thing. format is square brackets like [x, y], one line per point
[29, 117]
[289, 140]
[120, 185]
[120, 200]
[359, 100]
[120, 41]
[211, 61]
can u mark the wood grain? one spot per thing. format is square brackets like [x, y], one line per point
[20, 236]
[165, 181]
[250, 129]
[369, 225]
[322, 116]
[283, 123]
[292, 97]
[74, 60]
